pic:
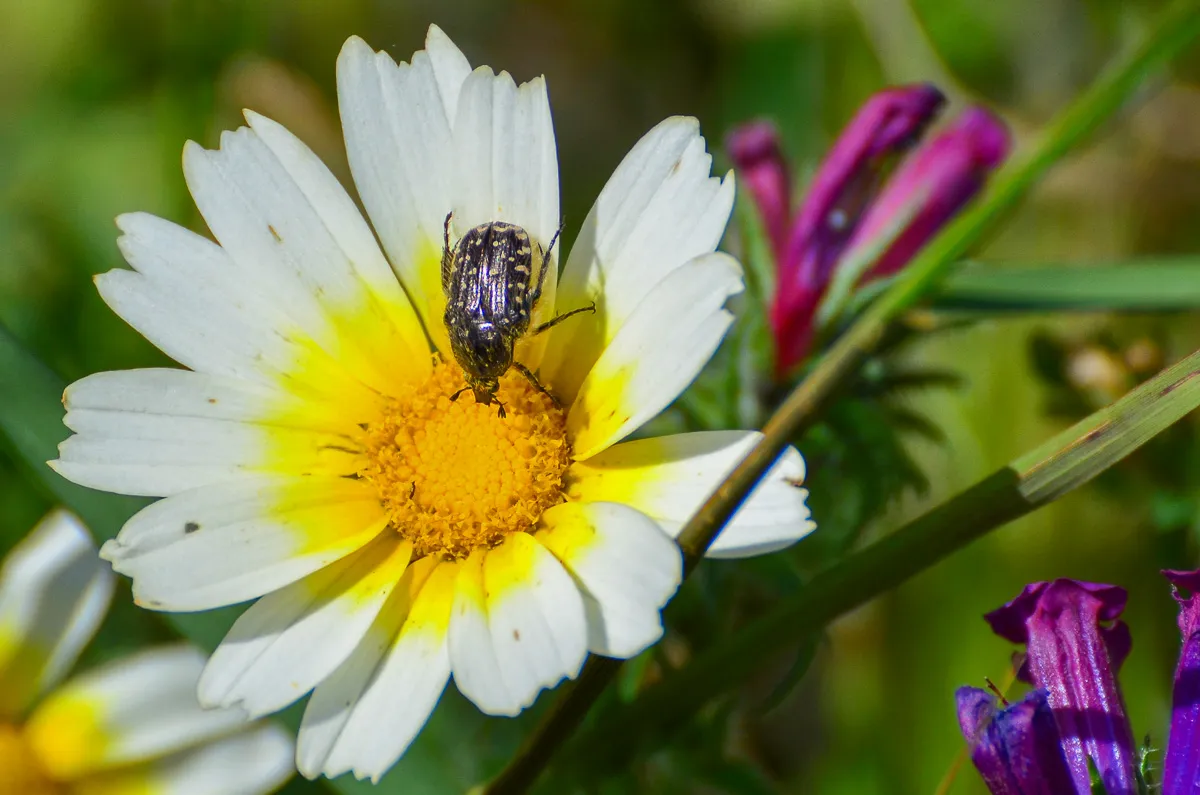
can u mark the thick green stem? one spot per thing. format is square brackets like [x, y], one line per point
[1175, 27]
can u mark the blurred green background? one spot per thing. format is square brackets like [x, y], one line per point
[98, 96]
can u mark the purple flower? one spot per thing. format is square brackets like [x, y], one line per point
[888, 124]
[1073, 652]
[848, 207]
[931, 186]
[1075, 645]
[763, 171]
[1181, 766]
[1017, 749]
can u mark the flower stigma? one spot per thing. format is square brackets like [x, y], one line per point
[453, 475]
[19, 768]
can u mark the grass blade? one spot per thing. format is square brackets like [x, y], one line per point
[1152, 285]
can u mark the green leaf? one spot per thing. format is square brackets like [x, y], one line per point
[1094, 444]
[1152, 285]
[754, 251]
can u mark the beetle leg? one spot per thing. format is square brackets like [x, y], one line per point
[525, 371]
[447, 255]
[493, 399]
[552, 322]
[537, 291]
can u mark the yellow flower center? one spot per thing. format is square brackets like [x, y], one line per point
[19, 770]
[454, 475]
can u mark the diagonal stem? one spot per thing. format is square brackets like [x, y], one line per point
[1175, 27]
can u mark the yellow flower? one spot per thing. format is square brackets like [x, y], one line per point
[129, 727]
[314, 454]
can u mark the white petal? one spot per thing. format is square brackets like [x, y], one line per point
[668, 478]
[156, 454]
[189, 298]
[254, 762]
[626, 566]
[225, 544]
[518, 626]
[400, 148]
[659, 210]
[54, 592]
[294, 233]
[292, 639]
[508, 171]
[656, 354]
[183, 393]
[366, 714]
[136, 708]
[399, 333]
[450, 68]
[473, 660]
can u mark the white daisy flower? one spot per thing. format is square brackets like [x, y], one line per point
[132, 725]
[314, 454]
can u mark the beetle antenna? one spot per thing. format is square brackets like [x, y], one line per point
[553, 240]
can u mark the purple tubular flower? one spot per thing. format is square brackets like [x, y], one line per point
[931, 185]
[1075, 659]
[1017, 749]
[1181, 766]
[756, 154]
[887, 125]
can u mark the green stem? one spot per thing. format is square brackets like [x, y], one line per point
[1175, 27]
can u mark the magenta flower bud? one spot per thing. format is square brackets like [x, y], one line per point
[1073, 651]
[931, 186]
[756, 154]
[887, 125]
[1181, 766]
[1017, 749]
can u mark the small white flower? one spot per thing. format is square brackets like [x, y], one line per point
[132, 725]
[313, 456]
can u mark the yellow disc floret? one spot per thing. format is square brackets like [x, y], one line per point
[454, 475]
[19, 768]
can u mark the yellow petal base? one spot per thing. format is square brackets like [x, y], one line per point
[454, 475]
[19, 771]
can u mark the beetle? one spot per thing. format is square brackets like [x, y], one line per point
[491, 294]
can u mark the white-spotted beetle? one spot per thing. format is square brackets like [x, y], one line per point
[488, 279]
